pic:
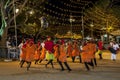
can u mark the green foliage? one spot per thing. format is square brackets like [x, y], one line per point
[102, 16]
[103, 3]
[30, 29]
[116, 11]
[20, 19]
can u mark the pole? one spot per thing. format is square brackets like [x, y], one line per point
[82, 17]
[71, 20]
[15, 25]
[107, 31]
[71, 30]
[92, 25]
[82, 30]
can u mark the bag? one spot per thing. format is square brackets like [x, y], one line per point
[98, 51]
[49, 56]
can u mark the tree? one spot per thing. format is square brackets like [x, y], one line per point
[102, 16]
[8, 16]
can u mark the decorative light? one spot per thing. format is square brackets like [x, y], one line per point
[17, 10]
[91, 25]
[31, 12]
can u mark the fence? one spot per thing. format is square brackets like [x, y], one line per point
[9, 53]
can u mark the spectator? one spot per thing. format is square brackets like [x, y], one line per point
[8, 45]
[100, 48]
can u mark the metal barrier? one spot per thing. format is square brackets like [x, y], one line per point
[13, 53]
[9, 53]
[3, 52]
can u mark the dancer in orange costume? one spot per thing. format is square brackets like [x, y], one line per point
[63, 56]
[30, 51]
[69, 49]
[37, 52]
[86, 59]
[76, 51]
[56, 53]
[42, 56]
[23, 54]
[92, 50]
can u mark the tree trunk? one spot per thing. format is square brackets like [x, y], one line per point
[3, 38]
[2, 42]
[4, 35]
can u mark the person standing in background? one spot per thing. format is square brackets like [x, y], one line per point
[20, 47]
[8, 45]
[115, 47]
[113, 52]
[100, 48]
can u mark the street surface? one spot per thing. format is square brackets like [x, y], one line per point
[106, 70]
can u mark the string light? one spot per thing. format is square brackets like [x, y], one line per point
[65, 10]
[62, 14]
[100, 18]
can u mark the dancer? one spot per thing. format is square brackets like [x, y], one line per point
[75, 51]
[23, 54]
[100, 48]
[42, 56]
[86, 59]
[49, 51]
[37, 52]
[30, 51]
[92, 50]
[56, 51]
[69, 49]
[63, 57]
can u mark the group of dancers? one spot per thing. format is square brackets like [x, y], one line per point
[60, 51]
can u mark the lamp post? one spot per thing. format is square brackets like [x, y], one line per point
[82, 29]
[16, 40]
[71, 21]
[15, 11]
[82, 20]
[91, 25]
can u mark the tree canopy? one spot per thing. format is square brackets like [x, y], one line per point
[101, 13]
[103, 16]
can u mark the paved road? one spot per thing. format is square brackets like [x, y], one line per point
[106, 70]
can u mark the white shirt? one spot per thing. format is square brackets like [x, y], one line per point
[20, 47]
[111, 43]
[43, 44]
[8, 44]
[115, 46]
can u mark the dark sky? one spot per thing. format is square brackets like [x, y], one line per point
[72, 6]
[64, 8]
